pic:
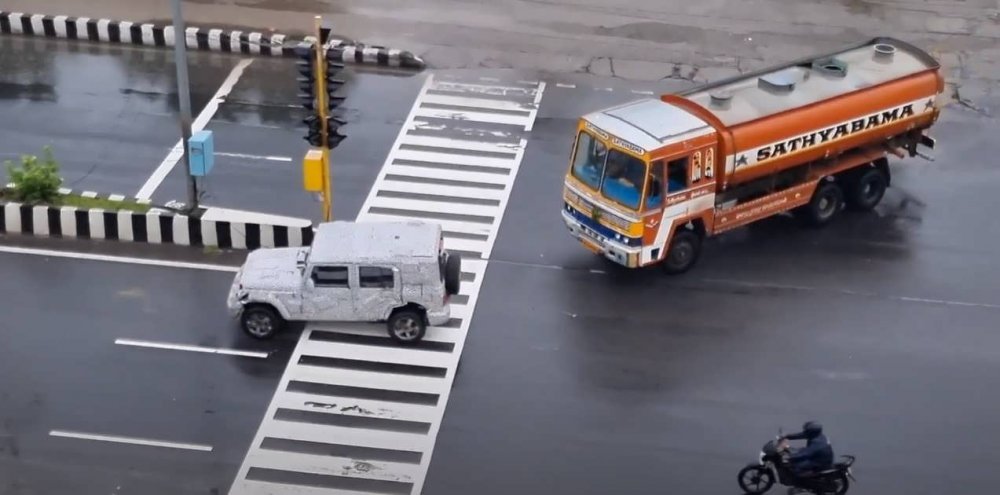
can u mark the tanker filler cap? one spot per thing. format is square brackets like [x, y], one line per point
[721, 99]
[780, 82]
[830, 67]
[883, 52]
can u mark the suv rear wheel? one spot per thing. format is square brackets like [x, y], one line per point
[261, 322]
[407, 326]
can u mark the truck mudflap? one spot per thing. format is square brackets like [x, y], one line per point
[927, 141]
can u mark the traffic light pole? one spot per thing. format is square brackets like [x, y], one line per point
[184, 97]
[317, 69]
[321, 100]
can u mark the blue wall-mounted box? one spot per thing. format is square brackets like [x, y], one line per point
[201, 151]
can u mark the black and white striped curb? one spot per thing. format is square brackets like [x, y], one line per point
[206, 39]
[157, 226]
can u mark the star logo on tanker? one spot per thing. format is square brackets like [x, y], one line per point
[929, 105]
[741, 161]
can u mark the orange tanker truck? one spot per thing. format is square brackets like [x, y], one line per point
[650, 179]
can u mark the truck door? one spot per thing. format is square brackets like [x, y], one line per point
[682, 172]
[378, 292]
[327, 295]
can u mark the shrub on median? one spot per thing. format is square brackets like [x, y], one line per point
[36, 180]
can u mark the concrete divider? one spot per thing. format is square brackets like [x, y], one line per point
[206, 227]
[197, 38]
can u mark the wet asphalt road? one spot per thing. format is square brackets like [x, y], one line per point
[109, 113]
[881, 326]
[65, 372]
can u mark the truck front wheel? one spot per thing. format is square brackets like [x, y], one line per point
[684, 250]
[866, 190]
[407, 326]
[826, 202]
[261, 322]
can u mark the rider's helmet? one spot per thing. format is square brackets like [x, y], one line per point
[812, 429]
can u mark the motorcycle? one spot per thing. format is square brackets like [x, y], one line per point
[759, 477]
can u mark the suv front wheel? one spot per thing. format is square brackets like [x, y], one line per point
[261, 322]
[407, 326]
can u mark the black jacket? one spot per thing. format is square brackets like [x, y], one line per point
[817, 451]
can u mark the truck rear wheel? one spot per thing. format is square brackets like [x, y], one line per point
[684, 250]
[825, 204]
[866, 190]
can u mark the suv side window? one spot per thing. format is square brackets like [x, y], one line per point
[330, 276]
[376, 277]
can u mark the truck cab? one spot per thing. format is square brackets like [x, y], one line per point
[393, 272]
[639, 172]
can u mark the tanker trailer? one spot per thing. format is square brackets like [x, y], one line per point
[649, 180]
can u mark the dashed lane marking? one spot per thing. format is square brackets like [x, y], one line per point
[348, 388]
[255, 157]
[118, 259]
[129, 440]
[190, 348]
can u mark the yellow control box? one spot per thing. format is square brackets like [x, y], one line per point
[312, 171]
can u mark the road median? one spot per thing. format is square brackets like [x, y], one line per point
[88, 215]
[256, 43]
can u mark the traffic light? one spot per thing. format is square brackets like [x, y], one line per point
[333, 67]
[334, 137]
[305, 64]
[315, 91]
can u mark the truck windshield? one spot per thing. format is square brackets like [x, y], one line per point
[588, 163]
[624, 178]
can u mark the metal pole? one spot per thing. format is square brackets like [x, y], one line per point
[184, 97]
[322, 103]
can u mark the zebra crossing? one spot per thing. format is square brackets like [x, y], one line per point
[355, 414]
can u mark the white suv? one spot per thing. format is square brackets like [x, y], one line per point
[396, 272]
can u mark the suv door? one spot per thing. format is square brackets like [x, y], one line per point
[327, 294]
[379, 290]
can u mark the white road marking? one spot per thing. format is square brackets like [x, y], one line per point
[130, 440]
[256, 157]
[191, 348]
[118, 259]
[642, 92]
[416, 381]
[564, 85]
[199, 123]
[534, 110]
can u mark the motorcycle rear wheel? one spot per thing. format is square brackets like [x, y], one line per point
[842, 484]
[755, 479]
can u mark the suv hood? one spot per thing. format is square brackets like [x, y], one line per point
[272, 269]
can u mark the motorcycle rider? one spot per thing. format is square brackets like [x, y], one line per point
[817, 455]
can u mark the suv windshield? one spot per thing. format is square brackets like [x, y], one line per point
[624, 178]
[588, 164]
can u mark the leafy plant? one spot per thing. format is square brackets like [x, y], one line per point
[36, 180]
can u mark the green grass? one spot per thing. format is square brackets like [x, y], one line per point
[105, 204]
[83, 202]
